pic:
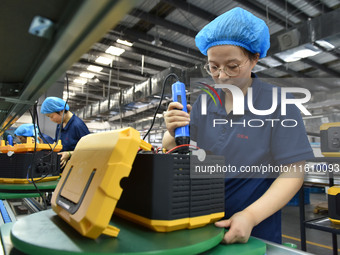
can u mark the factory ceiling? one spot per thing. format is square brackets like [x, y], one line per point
[305, 41]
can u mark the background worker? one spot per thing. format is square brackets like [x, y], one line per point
[233, 43]
[27, 130]
[70, 127]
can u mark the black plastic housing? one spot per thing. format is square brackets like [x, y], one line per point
[159, 187]
[38, 164]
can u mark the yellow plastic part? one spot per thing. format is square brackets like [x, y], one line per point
[26, 181]
[170, 225]
[326, 126]
[331, 154]
[89, 188]
[29, 147]
[4, 124]
[334, 190]
[334, 221]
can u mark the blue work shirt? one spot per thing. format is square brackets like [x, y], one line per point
[72, 132]
[243, 145]
[46, 138]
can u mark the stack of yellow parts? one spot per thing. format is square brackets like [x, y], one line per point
[89, 188]
[29, 146]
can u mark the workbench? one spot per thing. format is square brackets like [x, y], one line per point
[25, 190]
[46, 233]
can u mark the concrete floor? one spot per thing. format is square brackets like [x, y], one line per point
[318, 242]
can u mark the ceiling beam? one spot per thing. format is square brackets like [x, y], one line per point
[273, 15]
[148, 55]
[134, 35]
[193, 9]
[162, 22]
[299, 74]
[323, 67]
[158, 56]
[309, 31]
[146, 73]
[319, 5]
[134, 77]
[144, 41]
[291, 9]
[334, 52]
[101, 81]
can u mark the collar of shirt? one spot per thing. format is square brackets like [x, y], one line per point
[68, 123]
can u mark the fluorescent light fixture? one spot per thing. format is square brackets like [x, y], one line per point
[71, 94]
[269, 61]
[103, 60]
[258, 68]
[127, 43]
[87, 75]
[298, 53]
[114, 51]
[94, 68]
[80, 81]
[325, 44]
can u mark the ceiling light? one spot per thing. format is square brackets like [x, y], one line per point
[269, 61]
[298, 53]
[114, 51]
[325, 44]
[258, 68]
[87, 75]
[127, 43]
[157, 42]
[80, 81]
[71, 94]
[94, 68]
[104, 60]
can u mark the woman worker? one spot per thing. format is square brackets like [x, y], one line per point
[233, 43]
[27, 130]
[70, 127]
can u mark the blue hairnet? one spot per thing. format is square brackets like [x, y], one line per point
[235, 27]
[25, 130]
[53, 104]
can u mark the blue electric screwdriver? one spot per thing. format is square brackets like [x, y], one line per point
[10, 140]
[182, 135]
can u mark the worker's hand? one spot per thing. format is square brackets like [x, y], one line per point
[240, 226]
[65, 156]
[40, 140]
[174, 118]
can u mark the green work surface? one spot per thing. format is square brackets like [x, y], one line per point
[9, 187]
[14, 191]
[46, 233]
[17, 195]
[252, 247]
[7, 245]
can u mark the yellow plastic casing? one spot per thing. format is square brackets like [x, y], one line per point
[170, 225]
[29, 146]
[334, 190]
[27, 181]
[324, 128]
[89, 188]
[332, 193]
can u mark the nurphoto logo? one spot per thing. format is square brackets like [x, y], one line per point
[238, 104]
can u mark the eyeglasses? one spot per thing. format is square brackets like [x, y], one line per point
[230, 70]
